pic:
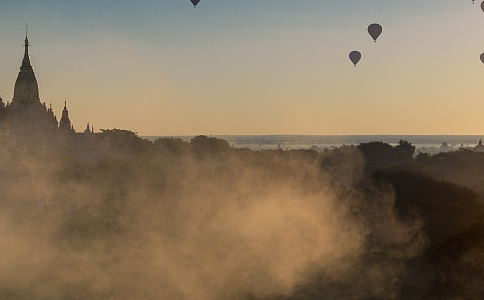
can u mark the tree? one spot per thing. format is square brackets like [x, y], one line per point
[203, 145]
[171, 144]
[405, 150]
[123, 141]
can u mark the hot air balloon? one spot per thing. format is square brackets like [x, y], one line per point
[482, 5]
[195, 2]
[482, 58]
[374, 30]
[355, 57]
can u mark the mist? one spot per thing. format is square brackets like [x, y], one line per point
[197, 220]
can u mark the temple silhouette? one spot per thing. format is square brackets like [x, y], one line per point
[28, 121]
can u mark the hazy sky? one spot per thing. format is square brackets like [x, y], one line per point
[252, 66]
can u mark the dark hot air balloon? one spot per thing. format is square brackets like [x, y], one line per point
[482, 58]
[355, 57]
[195, 2]
[374, 30]
[482, 5]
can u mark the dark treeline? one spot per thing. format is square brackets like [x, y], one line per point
[114, 216]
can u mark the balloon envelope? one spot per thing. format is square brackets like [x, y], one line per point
[374, 30]
[355, 57]
[482, 5]
[195, 2]
[482, 58]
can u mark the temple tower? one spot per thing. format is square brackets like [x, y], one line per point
[27, 117]
[26, 89]
[65, 123]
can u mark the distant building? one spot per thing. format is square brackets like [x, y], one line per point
[480, 146]
[26, 119]
[65, 124]
[444, 145]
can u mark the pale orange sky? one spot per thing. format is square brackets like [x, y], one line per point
[280, 67]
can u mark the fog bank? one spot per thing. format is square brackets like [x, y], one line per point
[196, 224]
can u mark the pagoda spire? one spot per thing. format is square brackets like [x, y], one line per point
[26, 89]
[65, 123]
[26, 64]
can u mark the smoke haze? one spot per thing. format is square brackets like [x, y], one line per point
[196, 224]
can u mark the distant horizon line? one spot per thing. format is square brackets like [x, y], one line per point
[295, 134]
